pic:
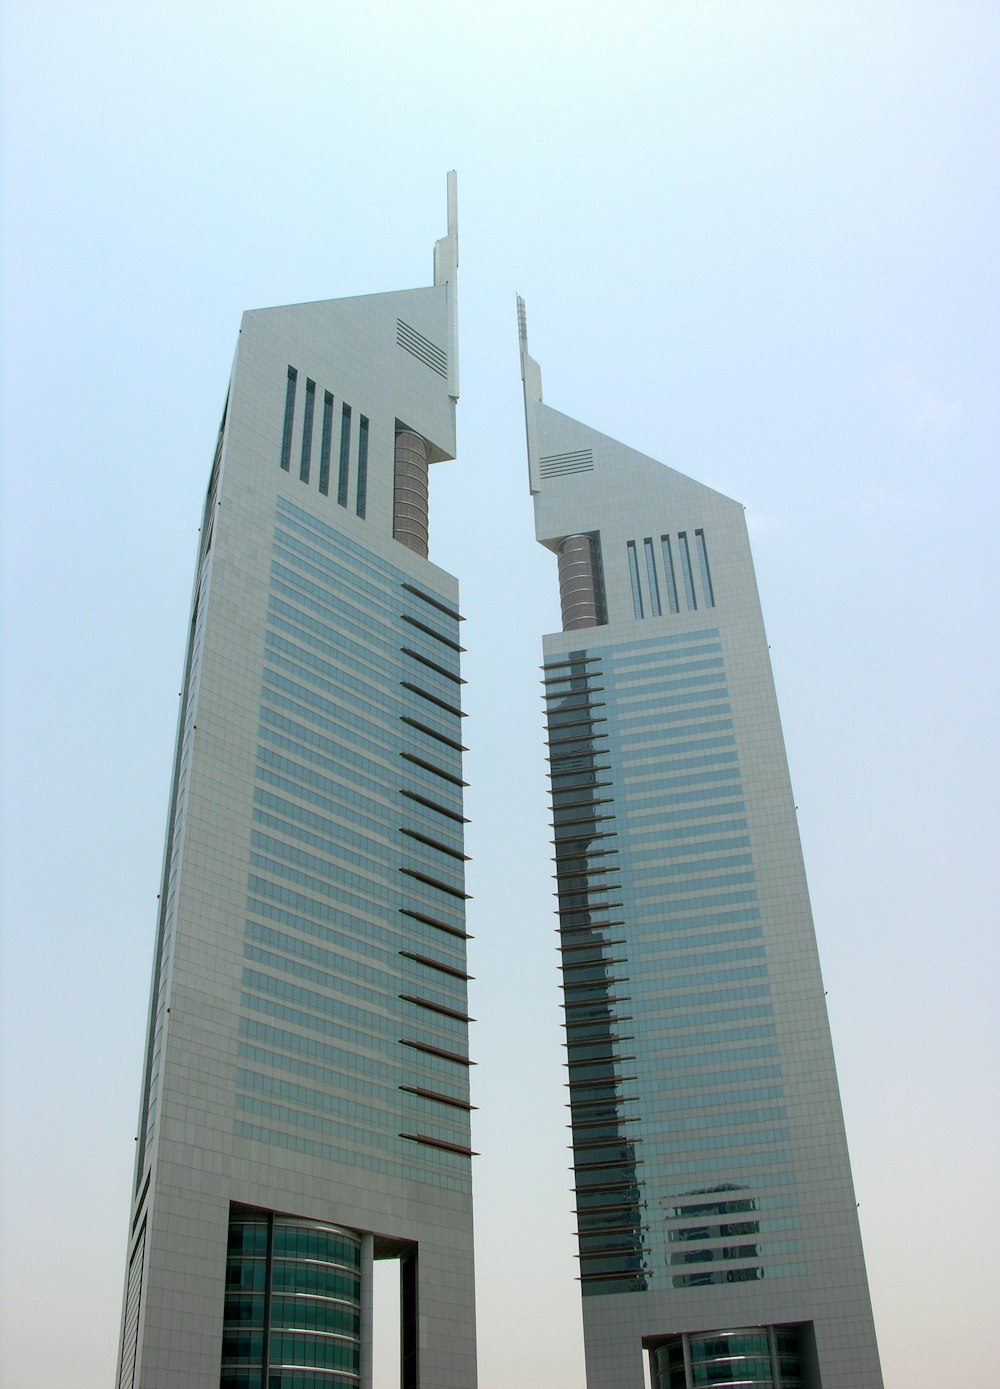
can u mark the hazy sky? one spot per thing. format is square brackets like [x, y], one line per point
[758, 240]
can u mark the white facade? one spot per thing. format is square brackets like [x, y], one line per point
[714, 1191]
[308, 1053]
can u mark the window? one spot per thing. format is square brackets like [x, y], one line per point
[307, 430]
[345, 455]
[286, 433]
[633, 573]
[654, 584]
[706, 576]
[668, 566]
[324, 448]
[689, 594]
[362, 502]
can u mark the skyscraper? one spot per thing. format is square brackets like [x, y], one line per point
[305, 1102]
[716, 1216]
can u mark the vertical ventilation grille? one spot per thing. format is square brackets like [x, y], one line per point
[422, 348]
[559, 464]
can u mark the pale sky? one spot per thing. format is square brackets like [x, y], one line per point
[758, 240]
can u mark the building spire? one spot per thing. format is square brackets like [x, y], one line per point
[531, 373]
[446, 274]
[531, 376]
[446, 248]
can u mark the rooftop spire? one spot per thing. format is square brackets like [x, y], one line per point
[446, 274]
[531, 373]
[446, 248]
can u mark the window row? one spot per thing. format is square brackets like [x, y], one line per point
[434, 1166]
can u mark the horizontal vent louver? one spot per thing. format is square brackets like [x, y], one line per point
[422, 348]
[445, 1147]
[559, 464]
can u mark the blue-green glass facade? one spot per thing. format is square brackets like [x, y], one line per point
[305, 1107]
[711, 1176]
[356, 893]
[665, 971]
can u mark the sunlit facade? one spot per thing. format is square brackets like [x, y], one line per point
[305, 1105]
[717, 1224]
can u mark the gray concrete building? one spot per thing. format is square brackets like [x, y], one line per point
[305, 1100]
[718, 1230]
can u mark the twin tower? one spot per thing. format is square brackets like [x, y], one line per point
[305, 1102]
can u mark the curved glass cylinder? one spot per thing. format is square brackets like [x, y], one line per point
[293, 1304]
[759, 1357]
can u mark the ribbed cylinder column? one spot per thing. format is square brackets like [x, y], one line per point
[409, 499]
[579, 583]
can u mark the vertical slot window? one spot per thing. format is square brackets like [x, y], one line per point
[345, 455]
[633, 573]
[706, 573]
[654, 583]
[325, 441]
[307, 430]
[286, 432]
[362, 502]
[669, 573]
[685, 550]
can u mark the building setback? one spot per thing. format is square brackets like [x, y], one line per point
[305, 1104]
[717, 1223]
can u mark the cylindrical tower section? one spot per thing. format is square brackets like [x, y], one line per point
[409, 498]
[759, 1357]
[580, 589]
[293, 1303]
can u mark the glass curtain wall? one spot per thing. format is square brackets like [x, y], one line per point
[760, 1357]
[293, 1304]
